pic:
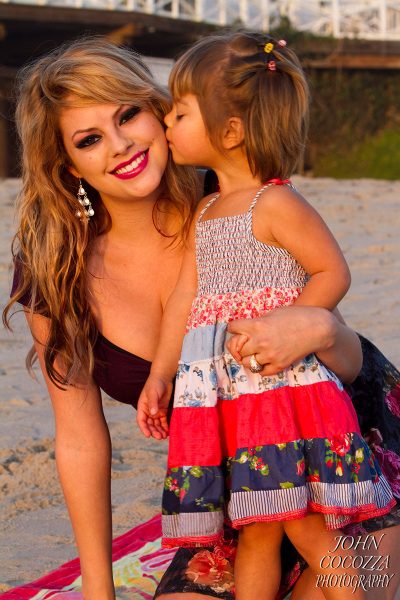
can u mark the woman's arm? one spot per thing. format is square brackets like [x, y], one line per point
[288, 334]
[83, 458]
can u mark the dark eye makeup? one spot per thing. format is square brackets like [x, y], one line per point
[89, 140]
[129, 114]
[126, 116]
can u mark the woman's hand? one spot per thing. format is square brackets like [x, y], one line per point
[153, 407]
[288, 334]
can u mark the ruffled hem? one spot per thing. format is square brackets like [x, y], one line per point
[335, 518]
[193, 542]
[347, 515]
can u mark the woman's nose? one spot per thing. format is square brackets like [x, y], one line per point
[120, 142]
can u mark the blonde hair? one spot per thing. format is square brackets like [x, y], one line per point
[229, 75]
[51, 246]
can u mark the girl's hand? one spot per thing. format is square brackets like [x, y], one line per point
[282, 337]
[153, 407]
[235, 345]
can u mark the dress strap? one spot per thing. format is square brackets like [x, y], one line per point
[266, 185]
[211, 201]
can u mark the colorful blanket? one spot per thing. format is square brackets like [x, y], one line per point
[138, 564]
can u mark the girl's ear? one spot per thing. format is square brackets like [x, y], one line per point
[233, 134]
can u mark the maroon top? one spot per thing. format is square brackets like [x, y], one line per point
[119, 373]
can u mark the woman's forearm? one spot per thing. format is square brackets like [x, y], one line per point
[83, 457]
[340, 349]
[84, 468]
[288, 334]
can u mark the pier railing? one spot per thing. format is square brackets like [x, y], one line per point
[364, 19]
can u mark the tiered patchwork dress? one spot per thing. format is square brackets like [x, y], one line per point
[249, 448]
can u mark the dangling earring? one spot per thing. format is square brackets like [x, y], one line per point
[87, 208]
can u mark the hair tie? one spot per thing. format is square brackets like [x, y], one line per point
[268, 48]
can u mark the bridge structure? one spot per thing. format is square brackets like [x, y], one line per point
[352, 35]
[362, 19]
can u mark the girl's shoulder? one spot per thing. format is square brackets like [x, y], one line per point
[277, 199]
[203, 204]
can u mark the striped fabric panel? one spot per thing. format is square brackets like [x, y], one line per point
[340, 503]
[350, 495]
[282, 502]
[187, 525]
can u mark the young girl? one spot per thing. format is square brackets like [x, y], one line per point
[286, 448]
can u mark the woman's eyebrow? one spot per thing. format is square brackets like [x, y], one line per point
[118, 110]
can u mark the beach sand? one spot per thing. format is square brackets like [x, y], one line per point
[35, 534]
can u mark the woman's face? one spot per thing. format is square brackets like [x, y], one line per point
[120, 150]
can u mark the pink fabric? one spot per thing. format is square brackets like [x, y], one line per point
[253, 420]
[139, 553]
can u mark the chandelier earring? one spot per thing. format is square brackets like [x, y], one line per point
[87, 208]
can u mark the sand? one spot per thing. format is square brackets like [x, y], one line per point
[35, 534]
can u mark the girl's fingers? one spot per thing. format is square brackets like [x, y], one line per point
[241, 341]
[235, 344]
[141, 419]
[154, 432]
[241, 326]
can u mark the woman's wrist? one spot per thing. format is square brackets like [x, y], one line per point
[340, 348]
[326, 328]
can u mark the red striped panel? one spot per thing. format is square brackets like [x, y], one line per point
[282, 415]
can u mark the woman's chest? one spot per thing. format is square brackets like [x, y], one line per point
[128, 291]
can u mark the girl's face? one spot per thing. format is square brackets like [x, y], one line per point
[120, 150]
[187, 135]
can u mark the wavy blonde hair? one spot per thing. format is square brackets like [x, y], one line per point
[52, 245]
[229, 75]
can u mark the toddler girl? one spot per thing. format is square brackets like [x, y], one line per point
[278, 453]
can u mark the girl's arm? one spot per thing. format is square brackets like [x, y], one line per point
[83, 458]
[286, 219]
[155, 396]
[283, 218]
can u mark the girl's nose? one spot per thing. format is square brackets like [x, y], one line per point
[168, 119]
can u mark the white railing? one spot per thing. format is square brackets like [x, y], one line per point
[366, 19]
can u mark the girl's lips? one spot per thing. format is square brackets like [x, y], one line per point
[133, 167]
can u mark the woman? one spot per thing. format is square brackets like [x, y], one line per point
[90, 119]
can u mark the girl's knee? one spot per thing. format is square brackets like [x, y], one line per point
[261, 533]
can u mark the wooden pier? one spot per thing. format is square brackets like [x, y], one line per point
[27, 31]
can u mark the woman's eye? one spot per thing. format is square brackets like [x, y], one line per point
[129, 114]
[88, 141]
[179, 117]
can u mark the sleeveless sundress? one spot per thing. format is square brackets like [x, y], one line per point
[244, 447]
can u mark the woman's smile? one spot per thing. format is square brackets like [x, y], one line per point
[133, 167]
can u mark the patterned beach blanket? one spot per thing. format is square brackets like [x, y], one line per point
[138, 564]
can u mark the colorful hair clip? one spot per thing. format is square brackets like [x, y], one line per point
[268, 47]
[282, 43]
[271, 65]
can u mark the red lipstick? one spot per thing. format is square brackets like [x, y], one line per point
[132, 167]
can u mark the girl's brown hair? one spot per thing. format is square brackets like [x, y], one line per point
[231, 74]
[52, 245]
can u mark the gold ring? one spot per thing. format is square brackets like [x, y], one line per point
[255, 366]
